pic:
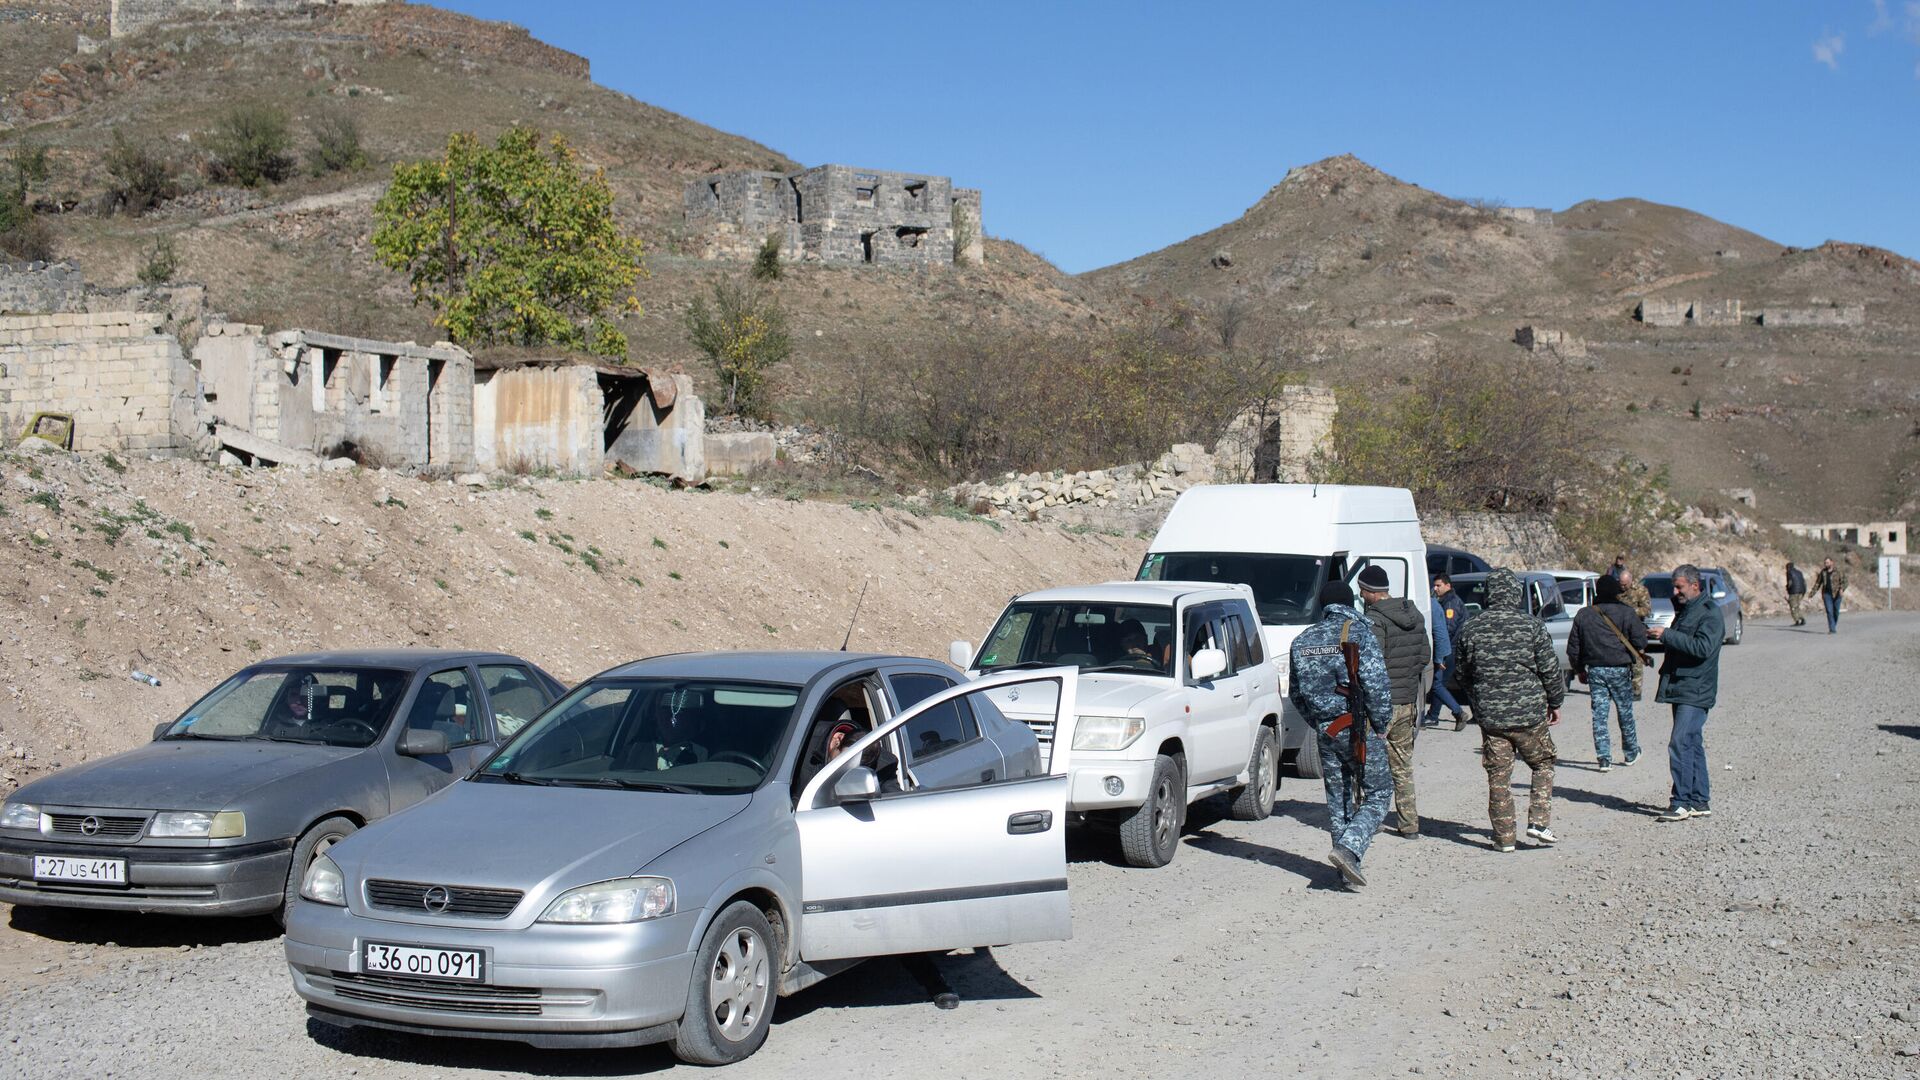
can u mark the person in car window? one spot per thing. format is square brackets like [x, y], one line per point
[296, 707]
[1133, 646]
[831, 738]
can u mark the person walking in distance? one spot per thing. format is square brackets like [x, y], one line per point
[1349, 718]
[1607, 642]
[1505, 665]
[1796, 593]
[1402, 633]
[1633, 593]
[1449, 615]
[1831, 584]
[1690, 682]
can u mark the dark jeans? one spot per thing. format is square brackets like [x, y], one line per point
[1687, 757]
[1833, 611]
[1440, 695]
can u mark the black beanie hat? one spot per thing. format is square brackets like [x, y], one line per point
[1336, 592]
[1607, 589]
[1374, 578]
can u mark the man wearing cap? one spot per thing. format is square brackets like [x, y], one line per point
[1357, 791]
[1404, 643]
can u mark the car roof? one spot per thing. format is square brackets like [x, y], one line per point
[404, 659]
[1129, 592]
[1572, 575]
[792, 667]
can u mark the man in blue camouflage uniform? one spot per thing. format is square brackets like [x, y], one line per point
[1505, 663]
[1320, 692]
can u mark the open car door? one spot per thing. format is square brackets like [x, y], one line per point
[961, 866]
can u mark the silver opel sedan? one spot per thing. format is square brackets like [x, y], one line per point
[221, 813]
[679, 841]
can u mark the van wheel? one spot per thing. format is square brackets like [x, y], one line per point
[313, 844]
[1254, 801]
[1306, 760]
[730, 997]
[1151, 834]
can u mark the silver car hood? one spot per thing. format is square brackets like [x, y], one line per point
[179, 774]
[513, 836]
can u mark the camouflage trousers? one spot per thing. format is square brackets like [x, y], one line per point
[1400, 735]
[1794, 600]
[1609, 687]
[1498, 748]
[1354, 821]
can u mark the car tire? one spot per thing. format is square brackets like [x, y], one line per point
[731, 993]
[1254, 801]
[1306, 760]
[312, 844]
[1151, 834]
[1739, 628]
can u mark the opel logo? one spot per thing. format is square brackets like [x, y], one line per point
[436, 899]
[89, 825]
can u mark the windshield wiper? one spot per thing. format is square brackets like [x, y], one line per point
[517, 778]
[635, 785]
[291, 739]
[1133, 669]
[197, 735]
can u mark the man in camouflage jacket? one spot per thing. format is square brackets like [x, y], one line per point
[1505, 666]
[1319, 691]
[1633, 594]
[1831, 584]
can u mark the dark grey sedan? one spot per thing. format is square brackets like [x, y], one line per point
[222, 812]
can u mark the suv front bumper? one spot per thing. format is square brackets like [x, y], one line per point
[1087, 783]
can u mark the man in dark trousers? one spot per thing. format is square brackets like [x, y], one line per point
[1796, 593]
[1505, 664]
[1690, 682]
[1402, 633]
[1450, 615]
[1831, 584]
[1607, 642]
[1357, 792]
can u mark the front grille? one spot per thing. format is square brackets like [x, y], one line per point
[437, 996]
[1043, 734]
[462, 900]
[105, 828]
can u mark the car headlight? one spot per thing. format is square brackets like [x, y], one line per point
[1106, 732]
[324, 883]
[19, 815]
[199, 825]
[621, 900]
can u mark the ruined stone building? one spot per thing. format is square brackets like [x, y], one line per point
[1889, 537]
[126, 384]
[577, 418]
[837, 214]
[129, 16]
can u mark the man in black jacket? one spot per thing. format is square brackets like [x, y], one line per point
[1455, 612]
[1402, 631]
[1607, 643]
[1796, 592]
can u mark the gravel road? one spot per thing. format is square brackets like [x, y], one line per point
[1777, 939]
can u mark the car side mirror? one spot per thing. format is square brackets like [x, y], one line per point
[857, 784]
[419, 742]
[160, 728]
[1206, 664]
[960, 654]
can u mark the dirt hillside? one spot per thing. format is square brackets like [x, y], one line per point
[189, 573]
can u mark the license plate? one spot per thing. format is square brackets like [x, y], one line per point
[69, 868]
[423, 962]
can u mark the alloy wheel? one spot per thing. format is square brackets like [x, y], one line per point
[737, 987]
[1164, 815]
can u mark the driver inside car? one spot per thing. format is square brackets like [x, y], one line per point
[1133, 646]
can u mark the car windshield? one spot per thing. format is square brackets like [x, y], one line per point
[1286, 588]
[324, 706]
[685, 735]
[1094, 637]
[1473, 592]
[1659, 587]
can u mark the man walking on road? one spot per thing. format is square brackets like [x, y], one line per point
[1690, 682]
[1831, 584]
[1796, 593]
[1357, 790]
[1607, 642]
[1402, 632]
[1449, 615]
[1505, 664]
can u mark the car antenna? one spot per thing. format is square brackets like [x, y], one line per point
[855, 615]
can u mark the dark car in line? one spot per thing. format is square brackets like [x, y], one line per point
[223, 811]
[1450, 561]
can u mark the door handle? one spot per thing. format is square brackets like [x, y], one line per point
[986, 776]
[1032, 821]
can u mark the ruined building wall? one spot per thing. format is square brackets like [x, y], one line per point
[127, 386]
[734, 213]
[533, 418]
[835, 213]
[130, 16]
[969, 239]
[40, 288]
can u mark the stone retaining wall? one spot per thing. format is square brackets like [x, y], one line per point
[126, 384]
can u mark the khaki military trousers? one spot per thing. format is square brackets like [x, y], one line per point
[1499, 748]
[1400, 735]
[1794, 600]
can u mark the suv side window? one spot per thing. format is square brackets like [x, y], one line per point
[937, 730]
[1247, 649]
[445, 702]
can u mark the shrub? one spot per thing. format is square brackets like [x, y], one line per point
[160, 262]
[743, 334]
[140, 177]
[249, 146]
[766, 263]
[336, 144]
[1627, 509]
[23, 235]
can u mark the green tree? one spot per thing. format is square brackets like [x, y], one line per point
[743, 334]
[250, 144]
[511, 244]
[766, 262]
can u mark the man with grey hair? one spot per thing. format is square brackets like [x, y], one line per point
[1690, 682]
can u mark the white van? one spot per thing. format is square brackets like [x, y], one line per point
[1285, 541]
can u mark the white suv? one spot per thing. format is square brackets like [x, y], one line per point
[1177, 700]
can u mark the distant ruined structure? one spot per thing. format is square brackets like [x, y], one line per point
[130, 16]
[1659, 311]
[837, 214]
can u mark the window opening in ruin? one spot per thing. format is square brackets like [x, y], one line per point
[916, 189]
[909, 236]
[436, 401]
[863, 194]
[714, 190]
[382, 389]
[866, 247]
[799, 206]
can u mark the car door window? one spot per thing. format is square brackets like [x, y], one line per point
[445, 703]
[939, 729]
[1247, 650]
[514, 695]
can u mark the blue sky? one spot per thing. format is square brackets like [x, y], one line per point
[1099, 132]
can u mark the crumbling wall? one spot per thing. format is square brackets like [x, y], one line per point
[734, 213]
[1278, 440]
[1540, 339]
[39, 288]
[834, 213]
[1717, 313]
[1516, 541]
[538, 418]
[131, 16]
[969, 239]
[1826, 315]
[656, 425]
[1655, 311]
[126, 384]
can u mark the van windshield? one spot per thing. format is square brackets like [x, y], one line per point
[1286, 588]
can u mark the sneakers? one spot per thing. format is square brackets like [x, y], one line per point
[1349, 866]
[1678, 813]
[1540, 834]
[1703, 812]
[1605, 765]
[1630, 759]
[1503, 845]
